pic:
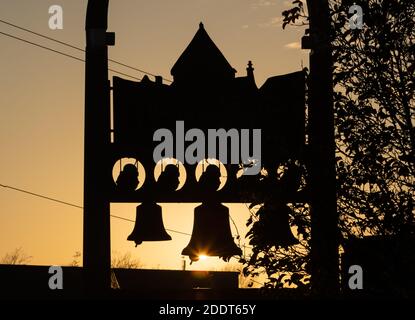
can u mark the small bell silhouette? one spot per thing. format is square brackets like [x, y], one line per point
[127, 180]
[149, 224]
[168, 180]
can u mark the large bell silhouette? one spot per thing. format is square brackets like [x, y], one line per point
[148, 224]
[274, 227]
[149, 221]
[211, 235]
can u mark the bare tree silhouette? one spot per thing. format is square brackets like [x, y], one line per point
[124, 260]
[17, 256]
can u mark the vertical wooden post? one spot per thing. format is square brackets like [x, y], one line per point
[96, 242]
[324, 217]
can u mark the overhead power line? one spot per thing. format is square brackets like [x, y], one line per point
[40, 35]
[41, 46]
[112, 215]
[62, 53]
[74, 205]
[78, 48]
[81, 207]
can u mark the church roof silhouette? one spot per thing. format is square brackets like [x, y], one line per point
[202, 58]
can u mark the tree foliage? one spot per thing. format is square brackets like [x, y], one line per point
[375, 139]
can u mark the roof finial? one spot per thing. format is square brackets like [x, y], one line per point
[201, 26]
[250, 71]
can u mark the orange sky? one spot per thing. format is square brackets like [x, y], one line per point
[42, 105]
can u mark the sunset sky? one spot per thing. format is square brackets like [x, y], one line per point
[42, 108]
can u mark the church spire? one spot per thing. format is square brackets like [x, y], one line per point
[202, 61]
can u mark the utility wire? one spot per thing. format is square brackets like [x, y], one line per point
[62, 53]
[41, 35]
[112, 215]
[41, 196]
[78, 48]
[250, 212]
[40, 46]
[74, 205]
[237, 231]
[81, 207]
